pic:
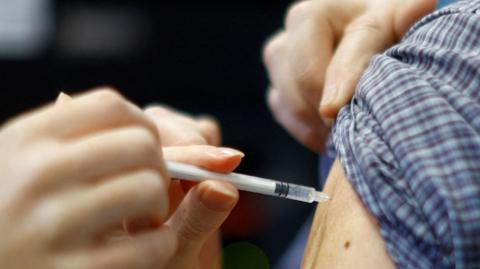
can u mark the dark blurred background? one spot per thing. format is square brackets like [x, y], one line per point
[201, 57]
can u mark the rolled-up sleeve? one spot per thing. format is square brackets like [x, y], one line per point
[409, 141]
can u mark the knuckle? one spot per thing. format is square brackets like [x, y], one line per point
[272, 47]
[108, 93]
[112, 100]
[211, 130]
[296, 12]
[210, 124]
[267, 52]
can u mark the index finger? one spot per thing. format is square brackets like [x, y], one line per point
[179, 129]
[89, 113]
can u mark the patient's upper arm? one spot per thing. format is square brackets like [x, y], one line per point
[343, 233]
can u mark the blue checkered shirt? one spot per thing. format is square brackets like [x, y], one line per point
[410, 141]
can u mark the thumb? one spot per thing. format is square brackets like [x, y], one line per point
[362, 39]
[200, 214]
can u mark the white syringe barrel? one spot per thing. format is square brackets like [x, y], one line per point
[242, 182]
[271, 187]
[248, 183]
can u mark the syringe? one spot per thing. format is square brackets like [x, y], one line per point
[248, 183]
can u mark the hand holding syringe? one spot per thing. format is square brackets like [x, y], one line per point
[249, 183]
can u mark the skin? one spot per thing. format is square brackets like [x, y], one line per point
[343, 233]
[93, 164]
[315, 62]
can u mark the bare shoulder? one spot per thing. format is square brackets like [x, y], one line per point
[343, 233]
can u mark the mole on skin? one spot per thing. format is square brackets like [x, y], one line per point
[347, 244]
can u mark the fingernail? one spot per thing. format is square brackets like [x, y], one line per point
[218, 196]
[329, 94]
[226, 152]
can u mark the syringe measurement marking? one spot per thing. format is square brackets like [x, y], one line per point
[282, 188]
